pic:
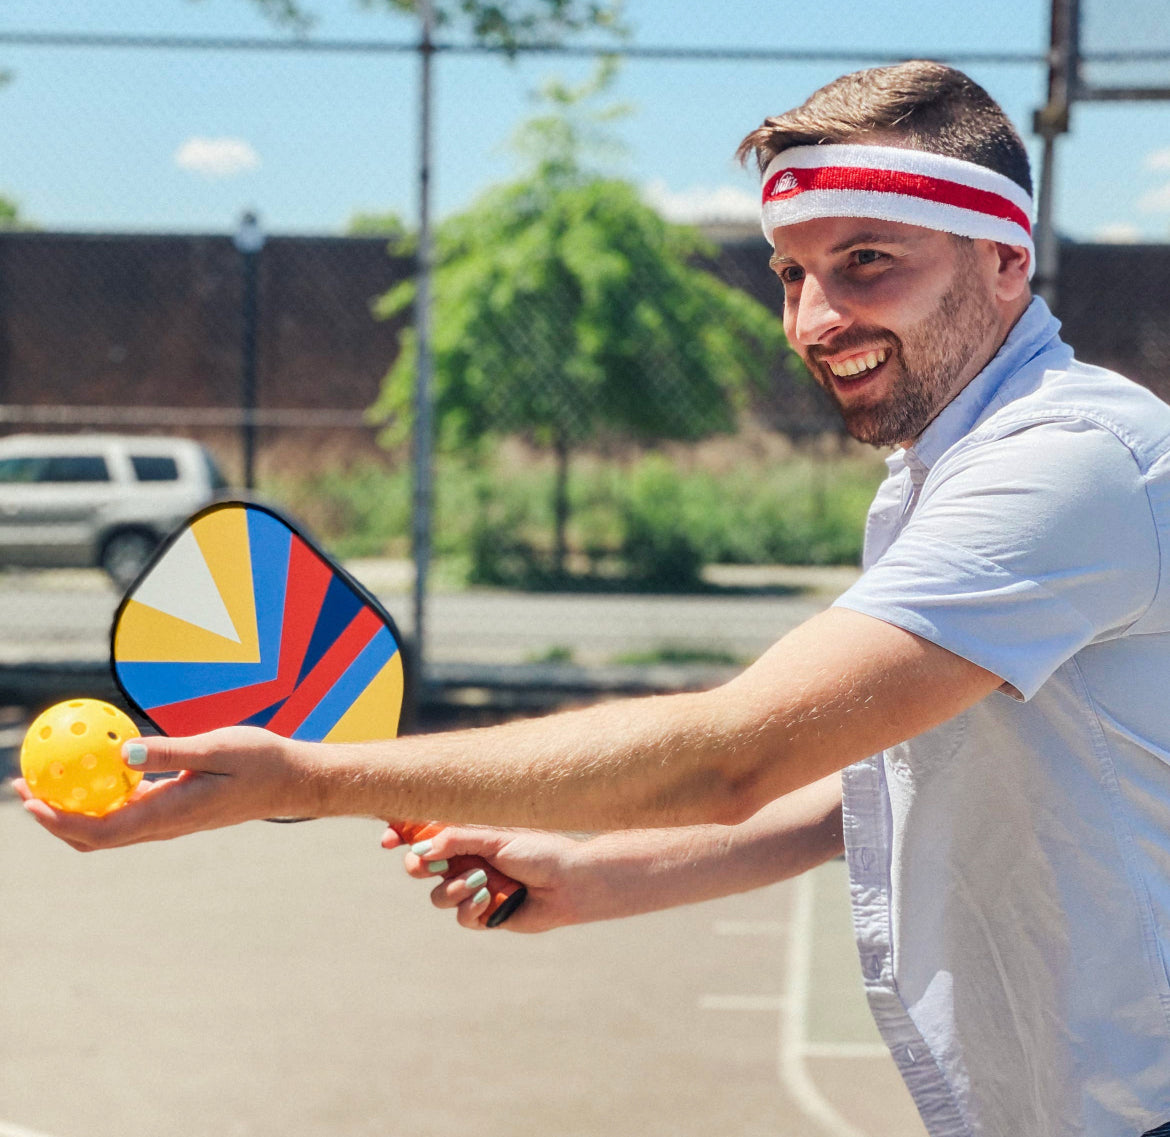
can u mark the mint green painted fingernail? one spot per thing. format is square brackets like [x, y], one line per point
[476, 879]
[134, 753]
[422, 848]
[481, 896]
[438, 866]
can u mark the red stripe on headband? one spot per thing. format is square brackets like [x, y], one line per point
[789, 183]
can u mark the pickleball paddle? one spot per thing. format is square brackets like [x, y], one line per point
[239, 618]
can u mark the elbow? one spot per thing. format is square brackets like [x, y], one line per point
[739, 800]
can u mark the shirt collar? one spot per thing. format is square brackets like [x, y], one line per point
[1034, 333]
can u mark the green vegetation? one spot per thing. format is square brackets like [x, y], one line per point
[643, 524]
[566, 309]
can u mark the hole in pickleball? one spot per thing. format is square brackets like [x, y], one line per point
[57, 769]
[78, 727]
[112, 735]
[80, 793]
[89, 761]
[46, 731]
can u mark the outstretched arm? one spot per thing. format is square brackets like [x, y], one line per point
[574, 881]
[838, 688]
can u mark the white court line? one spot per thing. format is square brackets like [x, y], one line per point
[793, 1040]
[7, 1129]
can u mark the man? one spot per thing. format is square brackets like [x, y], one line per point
[990, 688]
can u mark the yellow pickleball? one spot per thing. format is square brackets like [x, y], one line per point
[71, 757]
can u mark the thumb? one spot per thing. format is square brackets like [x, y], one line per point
[203, 753]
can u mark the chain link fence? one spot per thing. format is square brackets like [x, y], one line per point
[273, 354]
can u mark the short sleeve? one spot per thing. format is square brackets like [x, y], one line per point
[1022, 550]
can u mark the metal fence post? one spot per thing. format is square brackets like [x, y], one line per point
[421, 514]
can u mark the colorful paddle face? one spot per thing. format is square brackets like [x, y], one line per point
[241, 619]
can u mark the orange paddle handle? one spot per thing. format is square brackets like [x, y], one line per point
[506, 894]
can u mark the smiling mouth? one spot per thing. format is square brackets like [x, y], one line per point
[857, 364]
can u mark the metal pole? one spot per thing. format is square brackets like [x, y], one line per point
[421, 519]
[1051, 121]
[249, 240]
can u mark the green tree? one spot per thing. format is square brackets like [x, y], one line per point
[565, 307]
[389, 225]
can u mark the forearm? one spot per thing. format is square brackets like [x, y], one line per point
[646, 870]
[840, 687]
[663, 761]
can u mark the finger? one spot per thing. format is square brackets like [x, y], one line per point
[458, 890]
[171, 807]
[455, 841]
[391, 838]
[425, 870]
[471, 912]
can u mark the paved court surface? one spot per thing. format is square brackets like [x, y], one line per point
[291, 981]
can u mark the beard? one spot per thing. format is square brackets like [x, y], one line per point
[926, 362]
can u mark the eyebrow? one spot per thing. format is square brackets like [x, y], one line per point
[866, 237]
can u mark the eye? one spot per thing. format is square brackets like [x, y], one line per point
[868, 256]
[790, 274]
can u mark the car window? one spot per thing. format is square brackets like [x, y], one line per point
[154, 468]
[74, 468]
[20, 470]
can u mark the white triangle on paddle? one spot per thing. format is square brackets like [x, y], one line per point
[181, 585]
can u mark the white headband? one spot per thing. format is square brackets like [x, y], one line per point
[892, 184]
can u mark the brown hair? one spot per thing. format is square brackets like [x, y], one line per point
[920, 104]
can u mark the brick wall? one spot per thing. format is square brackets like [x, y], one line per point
[156, 321]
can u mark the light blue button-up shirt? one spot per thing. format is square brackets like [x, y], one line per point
[1010, 869]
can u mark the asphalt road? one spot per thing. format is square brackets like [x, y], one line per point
[66, 616]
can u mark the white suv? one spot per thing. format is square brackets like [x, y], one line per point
[102, 500]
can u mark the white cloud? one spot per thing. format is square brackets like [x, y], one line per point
[1158, 159]
[1118, 234]
[1155, 200]
[217, 157]
[702, 204]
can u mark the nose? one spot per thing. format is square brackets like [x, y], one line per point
[816, 315]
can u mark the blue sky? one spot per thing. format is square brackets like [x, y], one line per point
[119, 139]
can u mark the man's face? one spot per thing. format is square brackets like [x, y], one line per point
[892, 320]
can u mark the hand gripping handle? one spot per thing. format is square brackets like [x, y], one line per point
[506, 894]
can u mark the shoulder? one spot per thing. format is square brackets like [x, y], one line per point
[1078, 414]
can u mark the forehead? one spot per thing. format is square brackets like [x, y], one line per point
[828, 236]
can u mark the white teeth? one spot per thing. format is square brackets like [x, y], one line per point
[858, 364]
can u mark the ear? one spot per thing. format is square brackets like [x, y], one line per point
[1011, 277]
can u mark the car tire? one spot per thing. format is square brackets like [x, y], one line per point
[125, 553]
